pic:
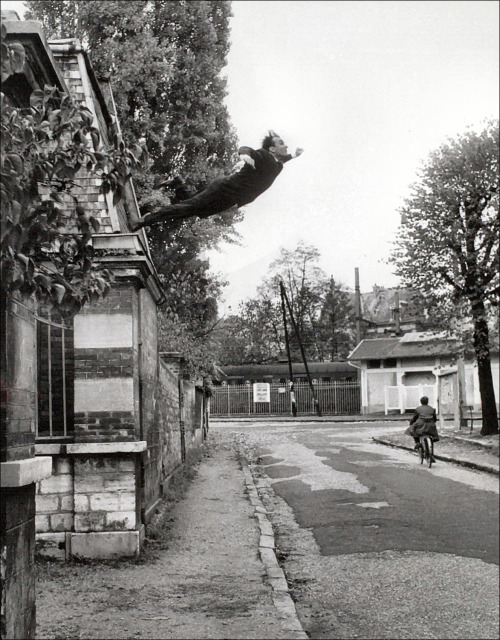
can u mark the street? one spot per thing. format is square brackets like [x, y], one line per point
[373, 544]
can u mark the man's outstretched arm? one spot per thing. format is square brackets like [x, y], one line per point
[298, 152]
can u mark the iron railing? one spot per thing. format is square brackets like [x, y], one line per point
[333, 397]
[55, 376]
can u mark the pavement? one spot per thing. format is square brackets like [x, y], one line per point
[218, 576]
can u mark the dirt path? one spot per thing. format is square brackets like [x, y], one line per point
[200, 578]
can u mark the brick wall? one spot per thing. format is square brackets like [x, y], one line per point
[72, 66]
[106, 368]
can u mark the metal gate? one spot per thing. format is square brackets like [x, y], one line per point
[333, 397]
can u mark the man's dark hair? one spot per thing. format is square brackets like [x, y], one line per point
[424, 400]
[269, 139]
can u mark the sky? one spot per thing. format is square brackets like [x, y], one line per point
[368, 89]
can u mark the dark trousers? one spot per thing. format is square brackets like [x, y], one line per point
[209, 201]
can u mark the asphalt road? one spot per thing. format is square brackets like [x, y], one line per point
[373, 544]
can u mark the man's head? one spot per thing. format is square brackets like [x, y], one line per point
[275, 145]
[424, 400]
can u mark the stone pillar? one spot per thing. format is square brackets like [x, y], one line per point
[20, 470]
[108, 433]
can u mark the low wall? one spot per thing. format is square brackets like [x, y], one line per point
[94, 489]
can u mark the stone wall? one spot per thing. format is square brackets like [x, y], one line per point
[55, 505]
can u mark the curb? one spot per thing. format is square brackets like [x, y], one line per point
[282, 600]
[473, 441]
[463, 463]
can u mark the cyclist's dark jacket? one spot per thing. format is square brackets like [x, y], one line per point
[423, 422]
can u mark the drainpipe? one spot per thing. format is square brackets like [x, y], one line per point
[182, 423]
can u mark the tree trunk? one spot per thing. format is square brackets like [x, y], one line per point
[481, 347]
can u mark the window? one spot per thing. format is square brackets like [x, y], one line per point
[390, 363]
[56, 374]
[374, 364]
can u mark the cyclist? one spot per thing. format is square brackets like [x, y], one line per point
[423, 422]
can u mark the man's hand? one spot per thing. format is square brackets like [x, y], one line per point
[244, 159]
[298, 152]
[248, 160]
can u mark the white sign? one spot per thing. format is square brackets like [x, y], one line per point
[261, 392]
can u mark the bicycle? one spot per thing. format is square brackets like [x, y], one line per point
[426, 450]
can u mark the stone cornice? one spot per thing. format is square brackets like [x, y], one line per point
[124, 254]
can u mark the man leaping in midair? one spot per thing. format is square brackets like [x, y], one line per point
[257, 172]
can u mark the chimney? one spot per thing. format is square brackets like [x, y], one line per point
[396, 313]
[357, 297]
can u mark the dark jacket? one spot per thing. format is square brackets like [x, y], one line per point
[423, 422]
[249, 183]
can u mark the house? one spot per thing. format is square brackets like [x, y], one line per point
[95, 420]
[396, 371]
[389, 310]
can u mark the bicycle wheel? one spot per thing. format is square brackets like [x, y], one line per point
[431, 452]
[428, 451]
[421, 450]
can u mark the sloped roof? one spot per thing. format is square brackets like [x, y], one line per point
[374, 348]
[411, 345]
[280, 367]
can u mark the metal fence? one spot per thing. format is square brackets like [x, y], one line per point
[333, 397]
[55, 375]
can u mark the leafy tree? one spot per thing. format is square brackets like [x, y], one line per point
[321, 307]
[305, 283]
[45, 250]
[165, 61]
[448, 245]
[254, 335]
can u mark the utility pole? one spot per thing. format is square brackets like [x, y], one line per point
[292, 319]
[289, 357]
